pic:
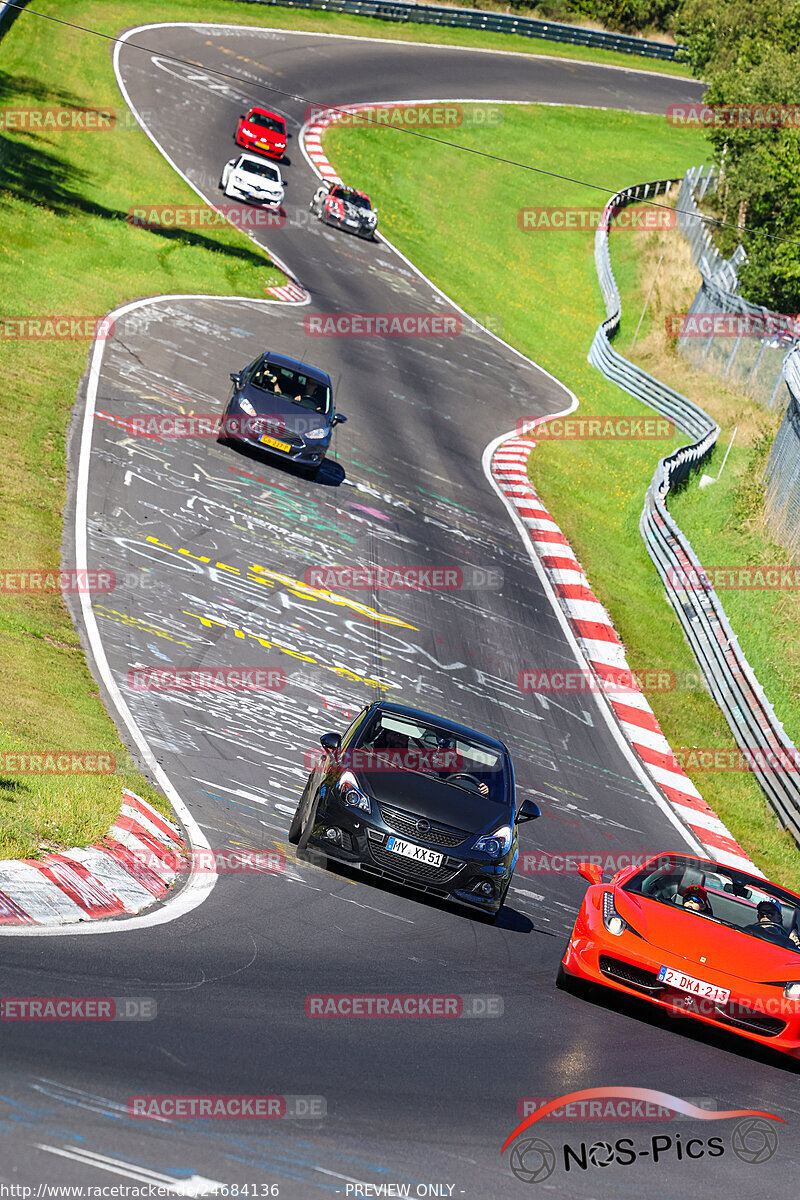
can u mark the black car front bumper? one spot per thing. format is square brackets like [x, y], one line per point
[353, 837]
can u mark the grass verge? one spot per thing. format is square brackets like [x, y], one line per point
[65, 248]
[542, 286]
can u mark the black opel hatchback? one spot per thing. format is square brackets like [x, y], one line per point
[418, 800]
[283, 407]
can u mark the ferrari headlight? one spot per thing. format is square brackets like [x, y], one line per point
[351, 793]
[317, 433]
[791, 991]
[496, 843]
[611, 918]
[246, 406]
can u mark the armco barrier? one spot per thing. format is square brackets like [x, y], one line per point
[728, 675]
[471, 18]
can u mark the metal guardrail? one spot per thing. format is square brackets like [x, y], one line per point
[471, 18]
[727, 673]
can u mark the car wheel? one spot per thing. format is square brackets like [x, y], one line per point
[568, 983]
[311, 472]
[303, 820]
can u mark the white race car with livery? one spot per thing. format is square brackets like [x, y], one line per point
[345, 208]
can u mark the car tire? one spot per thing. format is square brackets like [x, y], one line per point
[569, 983]
[302, 821]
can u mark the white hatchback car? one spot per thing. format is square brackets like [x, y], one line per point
[249, 178]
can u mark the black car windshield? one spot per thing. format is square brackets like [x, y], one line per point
[292, 385]
[404, 743]
[722, 894]
[259, 168]
[273, 123]
[355, 198]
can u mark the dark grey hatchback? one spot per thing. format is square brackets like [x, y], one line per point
[417, 800]
[283, 407]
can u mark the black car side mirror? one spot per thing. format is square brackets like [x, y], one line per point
[529, 811]
[331, 742]
[338, 419]
[236, 377]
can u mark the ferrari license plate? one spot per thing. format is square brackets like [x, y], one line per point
[696, 987]
[271, 441]
[418, 853]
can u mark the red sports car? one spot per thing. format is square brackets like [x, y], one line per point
[699, 939]
[262, 131]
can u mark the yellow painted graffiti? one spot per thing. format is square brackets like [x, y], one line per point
[210, 622]
[304, 591]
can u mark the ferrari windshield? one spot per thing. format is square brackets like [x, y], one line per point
[722, 894]
[258, 168]
[453, 758]
[273, 123]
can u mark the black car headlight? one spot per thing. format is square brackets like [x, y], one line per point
[611, 918]
[314, 435]
[496, 843]
[246, 406]
[351, 794]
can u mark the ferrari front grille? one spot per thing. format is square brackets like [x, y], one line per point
[625, 972]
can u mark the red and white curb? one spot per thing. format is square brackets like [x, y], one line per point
[290, 293]
[109, 879]
[597, 638]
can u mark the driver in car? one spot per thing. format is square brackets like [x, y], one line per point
[770, 926]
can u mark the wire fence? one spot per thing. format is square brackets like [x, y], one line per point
[727, 336]
[472, 18]
[782, 474]
[727, 673]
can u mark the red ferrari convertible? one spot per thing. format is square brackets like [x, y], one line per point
[698, 938]
[261, 130]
